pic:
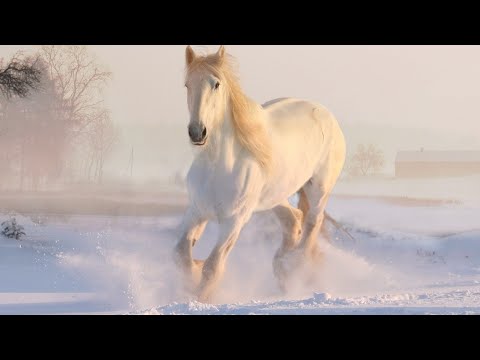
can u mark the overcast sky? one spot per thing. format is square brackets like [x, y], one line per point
[398, 97]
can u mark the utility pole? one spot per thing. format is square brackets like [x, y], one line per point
[131, 164]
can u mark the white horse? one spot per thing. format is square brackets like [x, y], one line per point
[253, 158]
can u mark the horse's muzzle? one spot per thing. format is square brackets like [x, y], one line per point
[198, 134]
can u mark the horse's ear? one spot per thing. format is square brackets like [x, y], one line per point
[189, 55]
[221, 52]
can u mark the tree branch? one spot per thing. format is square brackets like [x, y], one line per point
[19, 77]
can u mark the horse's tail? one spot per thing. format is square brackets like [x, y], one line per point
[338, 226]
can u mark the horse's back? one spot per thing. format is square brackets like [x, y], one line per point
[273, 102]
[276, 104]
[293, 108]
[292, 115]
[306, 126]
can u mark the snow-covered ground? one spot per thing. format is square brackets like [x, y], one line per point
[406, 259]
[461, 189]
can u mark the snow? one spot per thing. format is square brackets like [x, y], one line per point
[407, 258]
[464, 190]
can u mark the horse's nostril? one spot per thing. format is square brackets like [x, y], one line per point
[204, 133]
[190, 132]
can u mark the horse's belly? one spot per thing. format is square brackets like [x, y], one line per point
[284, 183]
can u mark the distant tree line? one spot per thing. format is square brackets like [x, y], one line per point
[53, 121]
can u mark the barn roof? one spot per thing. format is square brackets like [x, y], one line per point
[438, 156]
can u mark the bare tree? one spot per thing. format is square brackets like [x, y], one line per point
[102, 137]
[366, 159]
[79, 80]
[34, 147]
[64, 117]
[19, 76]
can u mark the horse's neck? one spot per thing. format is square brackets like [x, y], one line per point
[224, 148]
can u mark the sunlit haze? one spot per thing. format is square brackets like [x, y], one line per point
[396, 97]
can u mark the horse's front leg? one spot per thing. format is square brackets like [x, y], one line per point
[192, 228]
[214, 265]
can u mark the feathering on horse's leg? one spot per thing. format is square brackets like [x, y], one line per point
[214, 265]
[192, 229]
[291, 222]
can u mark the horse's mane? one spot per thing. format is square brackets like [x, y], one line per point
[248, 127]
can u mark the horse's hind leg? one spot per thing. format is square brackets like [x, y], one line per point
[303, 205]
[317, 194]
[291, 222]
[317, 191]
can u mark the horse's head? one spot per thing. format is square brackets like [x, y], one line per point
[206, 93]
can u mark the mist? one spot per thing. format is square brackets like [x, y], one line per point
[397, 97]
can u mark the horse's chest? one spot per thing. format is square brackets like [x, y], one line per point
[215, 196]
[218, 194]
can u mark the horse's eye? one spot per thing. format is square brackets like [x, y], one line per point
[217, 85]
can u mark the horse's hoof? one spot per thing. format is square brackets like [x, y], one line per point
[284, 265]
[203, 296]
[300, 262]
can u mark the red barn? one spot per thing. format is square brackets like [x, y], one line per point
[436, 163]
